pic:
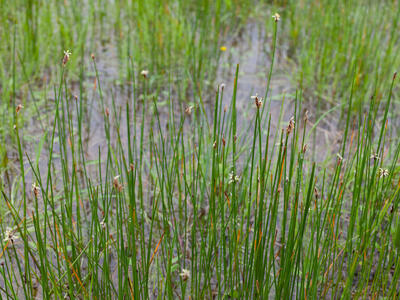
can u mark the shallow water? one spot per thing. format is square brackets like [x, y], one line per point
[251, 50]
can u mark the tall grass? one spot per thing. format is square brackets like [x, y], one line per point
[182, 200]
[176, 37]
[176, 205]
[332, 42]
[336, 42]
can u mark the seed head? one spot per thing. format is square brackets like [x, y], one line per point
[185, 274]
[233, 178]
[375, 156]
[257, 100]
[67, 54]
[306, 117]
[35, 190]
[18, 108]
[103, 224]
[115, 180]
[188, 110]
[144, 73]
[9, 235]
[290, 126]
[118, 186]
[316, 193]
[383, 172]
[276, 17]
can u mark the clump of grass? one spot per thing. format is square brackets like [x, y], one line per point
[176, 37]
[175, 205]
[334, 42]
[179, 201]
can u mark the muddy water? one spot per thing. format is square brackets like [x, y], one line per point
[252, 50]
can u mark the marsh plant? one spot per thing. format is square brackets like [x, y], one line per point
[183, 198]
[193, 205]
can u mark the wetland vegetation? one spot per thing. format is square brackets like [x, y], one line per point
[212, 149]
